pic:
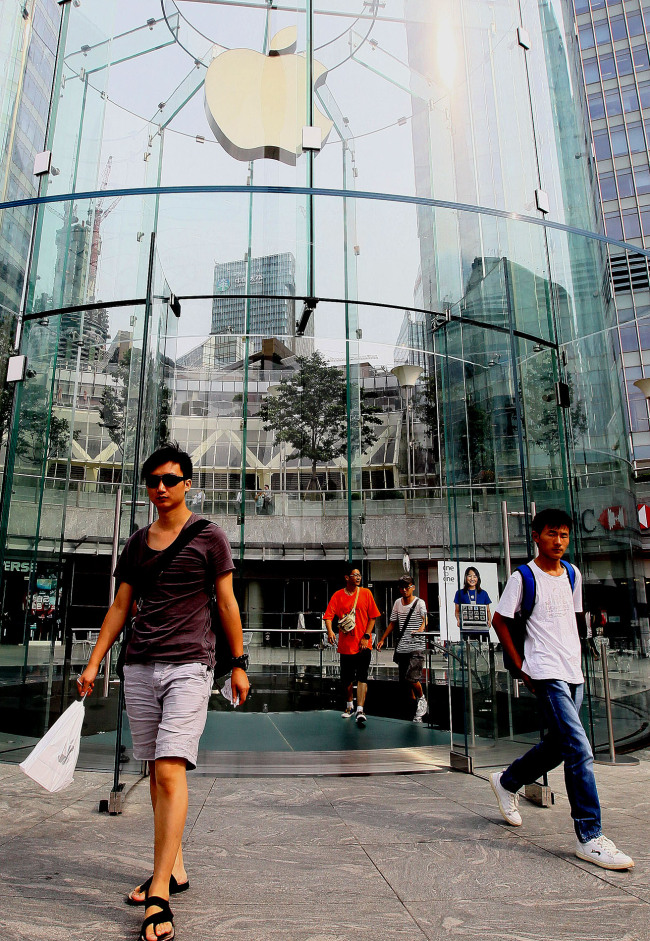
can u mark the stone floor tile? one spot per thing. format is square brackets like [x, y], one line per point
[581, 919]
[481, 869]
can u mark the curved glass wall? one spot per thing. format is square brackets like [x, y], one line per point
[253, 216]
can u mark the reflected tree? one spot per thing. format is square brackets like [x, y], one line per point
[542, 425]
[35, 428]
[309, 412]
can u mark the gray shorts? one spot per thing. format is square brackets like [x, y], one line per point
[167, 705]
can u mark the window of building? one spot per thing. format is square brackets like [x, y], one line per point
[617, 24]
[581, 6]
[642, 179]
[619, 142]
[634, 24]
[586, 36]
[613, 225]
[630, 99]
[629, 339]
[645, 221]
[644, 335]
[631, 224]
[601, 30]
[607, 186]
[638, 414]
[591, 71]
[644, 94]
[641, 58]
[596, 106]
[625, 183]
[625, 314]
[636, 137]
[601, 145]
[613, 102]
[607, 66]
[624, 62]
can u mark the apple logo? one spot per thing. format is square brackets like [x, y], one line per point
[256, 105]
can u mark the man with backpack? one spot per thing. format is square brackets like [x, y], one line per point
[171, 569]
[541, 605]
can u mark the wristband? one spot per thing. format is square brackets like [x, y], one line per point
[241, 662]
[366, 636]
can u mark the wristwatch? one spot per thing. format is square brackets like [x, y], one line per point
[366, 636]
[241, 662]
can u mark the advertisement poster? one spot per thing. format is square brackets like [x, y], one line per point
[475, 613]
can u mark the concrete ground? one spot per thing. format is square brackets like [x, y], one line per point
[423, 856]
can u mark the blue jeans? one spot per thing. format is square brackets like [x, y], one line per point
[565, 741]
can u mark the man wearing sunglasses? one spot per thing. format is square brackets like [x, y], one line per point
[169, 663]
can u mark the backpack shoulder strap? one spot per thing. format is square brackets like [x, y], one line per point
[529, 591]
[571, 572]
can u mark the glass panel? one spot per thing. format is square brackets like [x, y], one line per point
[374, 361]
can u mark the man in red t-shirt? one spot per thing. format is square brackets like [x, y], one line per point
[355, 646]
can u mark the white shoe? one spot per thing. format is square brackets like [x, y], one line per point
[602, 852]
[421, 709]
[347, 713]
[508, 802]
[361, 718]
[417, 719]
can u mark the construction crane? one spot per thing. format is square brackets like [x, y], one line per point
[96, 242]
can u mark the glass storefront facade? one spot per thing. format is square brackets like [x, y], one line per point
[252, 216]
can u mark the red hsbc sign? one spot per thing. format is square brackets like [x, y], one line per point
[613, 517]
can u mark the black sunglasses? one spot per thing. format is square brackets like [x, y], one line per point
[169, 480]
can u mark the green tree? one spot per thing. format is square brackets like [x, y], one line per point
[114, 400]
[309, 412]
[541, 415]
[33, 431]
[117, 415]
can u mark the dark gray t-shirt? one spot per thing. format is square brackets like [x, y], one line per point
[173, 621]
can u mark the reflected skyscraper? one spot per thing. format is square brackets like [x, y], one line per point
[270, 315]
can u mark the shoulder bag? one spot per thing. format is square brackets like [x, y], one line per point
[349, 621]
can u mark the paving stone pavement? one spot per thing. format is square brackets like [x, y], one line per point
[422, 856]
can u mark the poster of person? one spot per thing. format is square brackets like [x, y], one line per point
[467, 605]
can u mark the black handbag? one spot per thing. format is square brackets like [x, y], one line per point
[148, 575]
[403, 631]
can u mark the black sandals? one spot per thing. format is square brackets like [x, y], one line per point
[174, 889]
[158, 918]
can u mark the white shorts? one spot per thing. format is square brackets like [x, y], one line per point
[167, 705]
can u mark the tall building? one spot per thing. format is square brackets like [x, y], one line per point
[28, 46]
[613, 39]
[274, 315]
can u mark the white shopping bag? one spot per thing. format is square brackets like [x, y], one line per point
[52, 761]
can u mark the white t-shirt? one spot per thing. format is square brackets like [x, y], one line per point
[552, 645]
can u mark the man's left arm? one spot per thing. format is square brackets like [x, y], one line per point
[231, 624]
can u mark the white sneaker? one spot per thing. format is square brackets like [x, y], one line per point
[508, 802]
[348, 712]
[361, 718]
[417, 718]
[602, 852]
[421, 709]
